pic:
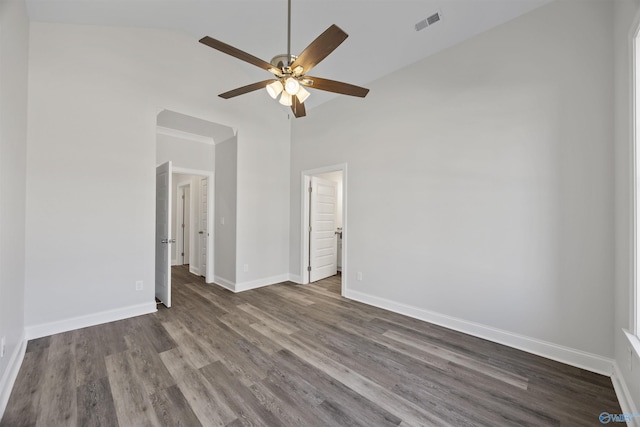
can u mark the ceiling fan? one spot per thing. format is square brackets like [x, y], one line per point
[290, 71]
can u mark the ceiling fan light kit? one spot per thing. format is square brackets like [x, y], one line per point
[302, 94]
[291, 86]
[285, 99]
[290, 70]
[274, 89]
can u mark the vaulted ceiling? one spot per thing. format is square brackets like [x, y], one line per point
[382, 34]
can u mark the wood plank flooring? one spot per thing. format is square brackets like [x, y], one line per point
[290, 355]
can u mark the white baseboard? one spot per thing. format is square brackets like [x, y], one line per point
[194, 270]
[295, 278]
[227, 284]
[580, 359]
[46, 329]
[245, 286]
[11, 373]
[624, 396]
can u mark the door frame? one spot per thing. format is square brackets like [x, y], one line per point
[182, 187]
[304, 229]
[210, 273]
[162, 239]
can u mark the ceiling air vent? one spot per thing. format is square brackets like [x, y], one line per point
[428, 22]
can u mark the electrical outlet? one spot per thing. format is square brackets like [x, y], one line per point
[246, 268]
[359, 276]
[2, 346]
[139, 285]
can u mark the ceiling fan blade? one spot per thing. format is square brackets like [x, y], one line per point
[322, 46]
[336, 87]
[298, 107]
[245, 89]
[237, 53]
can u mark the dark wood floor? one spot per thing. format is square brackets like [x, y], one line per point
[293, 356]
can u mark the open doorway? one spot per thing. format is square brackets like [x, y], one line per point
[183, 227]
[185, 146]
[193, 222]
[183, 223]
[191, 208]
[324, 233]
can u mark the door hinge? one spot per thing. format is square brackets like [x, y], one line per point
[182, 225]
[182, 253]
[310, 190]
[309, 268]
[309, 229]
[183, 197]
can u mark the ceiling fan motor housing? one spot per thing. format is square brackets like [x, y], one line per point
[280, 61]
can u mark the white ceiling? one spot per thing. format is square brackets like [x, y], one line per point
[382, 37]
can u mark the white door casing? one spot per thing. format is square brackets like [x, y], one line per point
[196, 220]
[322, 235]
[187, 224]
[163, 233]
[204, 232]
[182, 224]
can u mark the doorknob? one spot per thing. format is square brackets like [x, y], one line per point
[200, 232]
[168, 241]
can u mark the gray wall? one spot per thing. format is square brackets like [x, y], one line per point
[226, 207]
[14, 41]
[480, 180]
[93, 134]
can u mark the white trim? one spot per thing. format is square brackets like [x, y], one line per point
[194, 226]
[184, 135]
[304, 231]
[227, 284]
[295, 278]
[11, 373]
[211, 229]
[304, 223]
[624, 396]
[189, 171]
[580, 359]
[209, 275]
[180, 219]
[259, 283]
[253, 284]
[46, 329]
[634, 341]
[633, 300]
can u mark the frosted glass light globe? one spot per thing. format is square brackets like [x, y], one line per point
[291, 86]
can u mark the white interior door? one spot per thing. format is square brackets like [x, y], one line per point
[204, 232]
[323, 253]
[163, 233]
